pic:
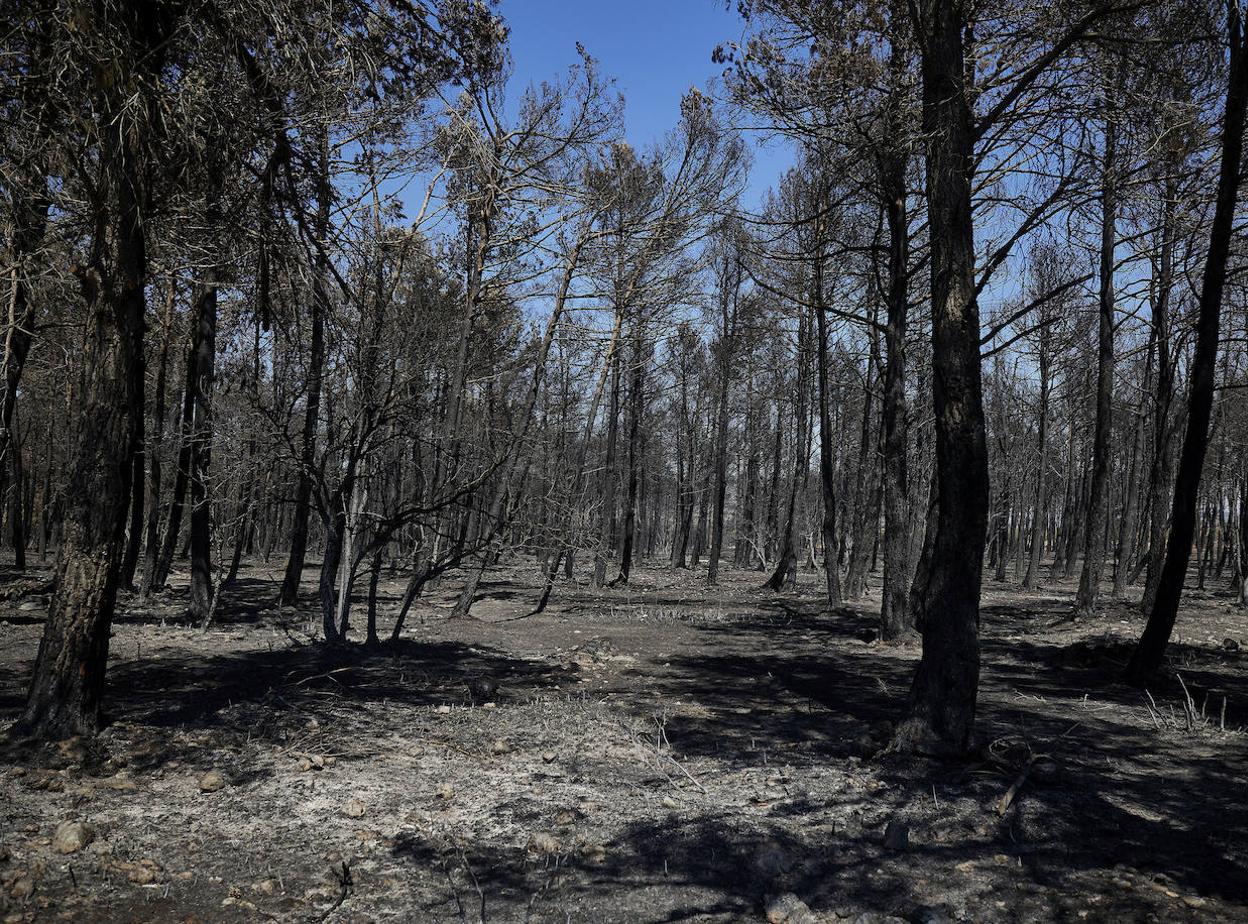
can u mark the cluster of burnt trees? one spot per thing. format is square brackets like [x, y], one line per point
[313, 284]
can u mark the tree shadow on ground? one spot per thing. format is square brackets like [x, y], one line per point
[193, 691]
[1114, 784]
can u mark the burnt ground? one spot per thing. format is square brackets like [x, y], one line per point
[653, 753]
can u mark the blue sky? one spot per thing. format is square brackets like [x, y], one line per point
[655, 50]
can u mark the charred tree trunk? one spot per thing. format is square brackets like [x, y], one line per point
[606, 490]
[636, 401]
[827, 468]
[201, 453]
[67, 685]
[940, 713]
[1151, 650]
[786, 567]
[1162, 470]
[866, 513]
[289, 593]
[895, 613]
[1032, 578]
[728, 310]
[1098, 508]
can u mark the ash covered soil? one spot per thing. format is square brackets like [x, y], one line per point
[660, 752]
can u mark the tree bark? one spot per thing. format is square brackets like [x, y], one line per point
[67, 686]
[289, 593]
[1032, 577]
[827, 467]
[940, 712]
[1151, 650]
[728, 310]
[201, 454]
[1098, 508]
[895, 604]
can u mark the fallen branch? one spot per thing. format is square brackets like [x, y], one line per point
[1006, 800]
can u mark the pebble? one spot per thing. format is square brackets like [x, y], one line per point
[354, 808]
[72, 836]
[446, 791]
[121, 782]
[212, 781]
[788, 909]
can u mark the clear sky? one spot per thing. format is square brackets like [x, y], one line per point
[655, 50]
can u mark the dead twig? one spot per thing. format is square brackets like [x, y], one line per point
[345, 885]
[1006, 800]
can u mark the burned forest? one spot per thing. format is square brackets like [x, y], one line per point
[545, 461]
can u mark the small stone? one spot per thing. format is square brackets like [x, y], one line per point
[788, 909]
[21, 888]
[897, 835]
[304, 765]
[926, 914]
[212, 781]
[265, 886]
[669, 802]
[1194, 901]
[121, 782]
[30, 606]
[354, 808]
[500, 747]
[1230, 646]
[72, 836]
[446, 791]
[443, 710]
[548, 756]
